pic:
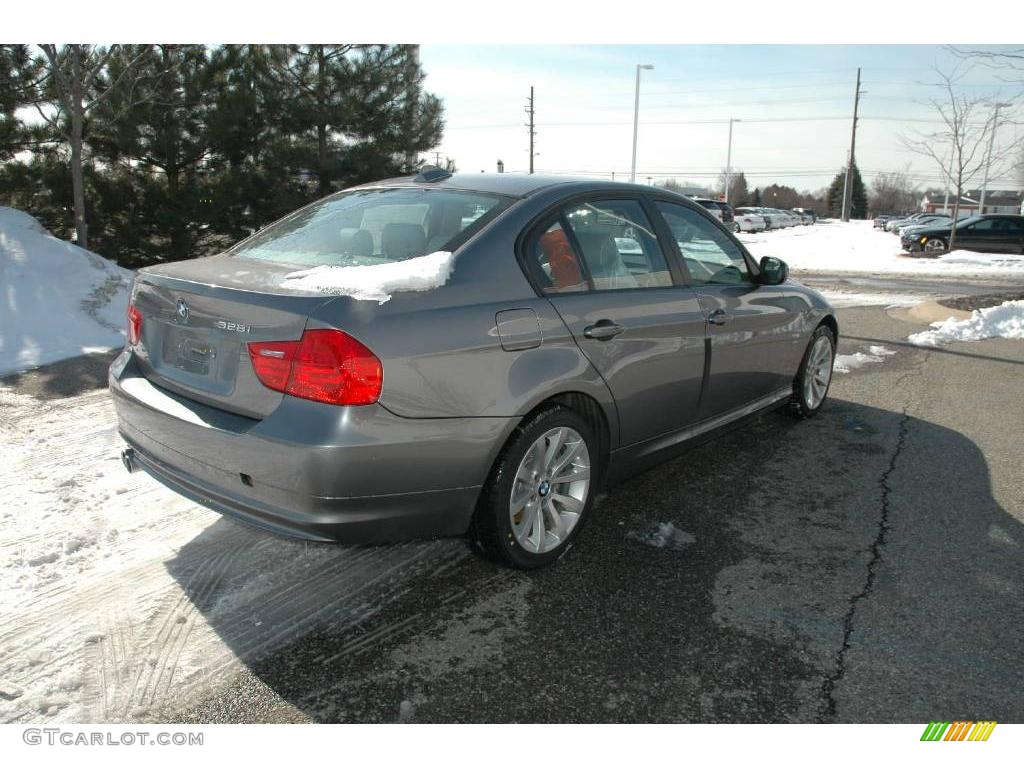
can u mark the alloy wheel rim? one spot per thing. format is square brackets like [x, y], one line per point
[819, 372]
[935, 245]
[549, 490]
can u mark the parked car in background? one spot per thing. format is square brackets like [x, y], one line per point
[789, 218]
[991, 233]
[890, 226]
[807, 213]
[748, 222]
[880, 221]
[719, 209]
[489, 379]
[923, 220]
[938, 221]
[757, 213]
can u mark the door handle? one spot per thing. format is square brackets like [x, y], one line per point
[603, 330]
[718, 317]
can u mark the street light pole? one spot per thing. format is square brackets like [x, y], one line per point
[988, 160]
[636, 118]
[728, 159]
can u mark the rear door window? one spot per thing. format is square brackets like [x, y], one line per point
[618, 245]
[554, 263]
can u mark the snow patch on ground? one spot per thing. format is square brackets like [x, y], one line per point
[840, 299]
[376, 282]
[664, 536]
[875, 354]
[56, 300]
[857, 247]
[121, 600]
[1005, 321]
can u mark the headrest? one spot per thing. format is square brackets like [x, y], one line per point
[403, 241]
[355, 242]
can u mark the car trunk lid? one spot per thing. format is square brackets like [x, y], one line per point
[198, 318]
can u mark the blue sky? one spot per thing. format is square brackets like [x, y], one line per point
[584, 103]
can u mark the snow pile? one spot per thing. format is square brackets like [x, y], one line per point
[376, 282]
[58, 300]
[665, 535]
[856, 247]
[875, 354]
[1005, 321]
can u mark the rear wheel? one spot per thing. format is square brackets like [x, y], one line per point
[540, 490]
[814, 376]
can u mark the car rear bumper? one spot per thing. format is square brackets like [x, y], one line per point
[354, 475]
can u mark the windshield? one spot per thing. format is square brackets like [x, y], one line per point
[373, 226]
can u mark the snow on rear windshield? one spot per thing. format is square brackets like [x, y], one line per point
[374, 226]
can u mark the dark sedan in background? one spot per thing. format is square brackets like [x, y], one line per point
[991, 233]
[545, 336]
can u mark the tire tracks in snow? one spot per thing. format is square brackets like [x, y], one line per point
[120, 598]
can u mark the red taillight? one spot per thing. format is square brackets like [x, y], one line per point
[134, 325]
[272, 361]
[324, 365]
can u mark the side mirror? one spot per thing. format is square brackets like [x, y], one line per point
[773, 271]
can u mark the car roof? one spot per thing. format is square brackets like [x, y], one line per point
[511, 184]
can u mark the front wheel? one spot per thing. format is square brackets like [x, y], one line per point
[540, 490]
[935, 245]
[814, 376]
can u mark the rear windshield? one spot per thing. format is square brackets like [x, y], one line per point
[373, 226]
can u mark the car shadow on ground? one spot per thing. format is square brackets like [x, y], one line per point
[853, 567]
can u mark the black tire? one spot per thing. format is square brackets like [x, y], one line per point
[799, 404]
[491, 529]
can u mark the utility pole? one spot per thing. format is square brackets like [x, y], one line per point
[728, 160]
[437, 158]
[636, 118]
[846, 186]
[988, 160]
[529, 114]
[848, 182]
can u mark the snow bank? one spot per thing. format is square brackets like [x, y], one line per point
[847, 363]
[376, 282]
[58, 300]
[856, 247]
[1005, 321]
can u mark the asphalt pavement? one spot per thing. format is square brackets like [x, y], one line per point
[862, 566]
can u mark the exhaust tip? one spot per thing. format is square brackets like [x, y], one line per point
[128, 459]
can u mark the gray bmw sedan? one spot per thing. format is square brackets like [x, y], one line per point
[452, 354]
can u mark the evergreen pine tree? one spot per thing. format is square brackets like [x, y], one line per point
[357, 112]
[859, 203]
[17, 73]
